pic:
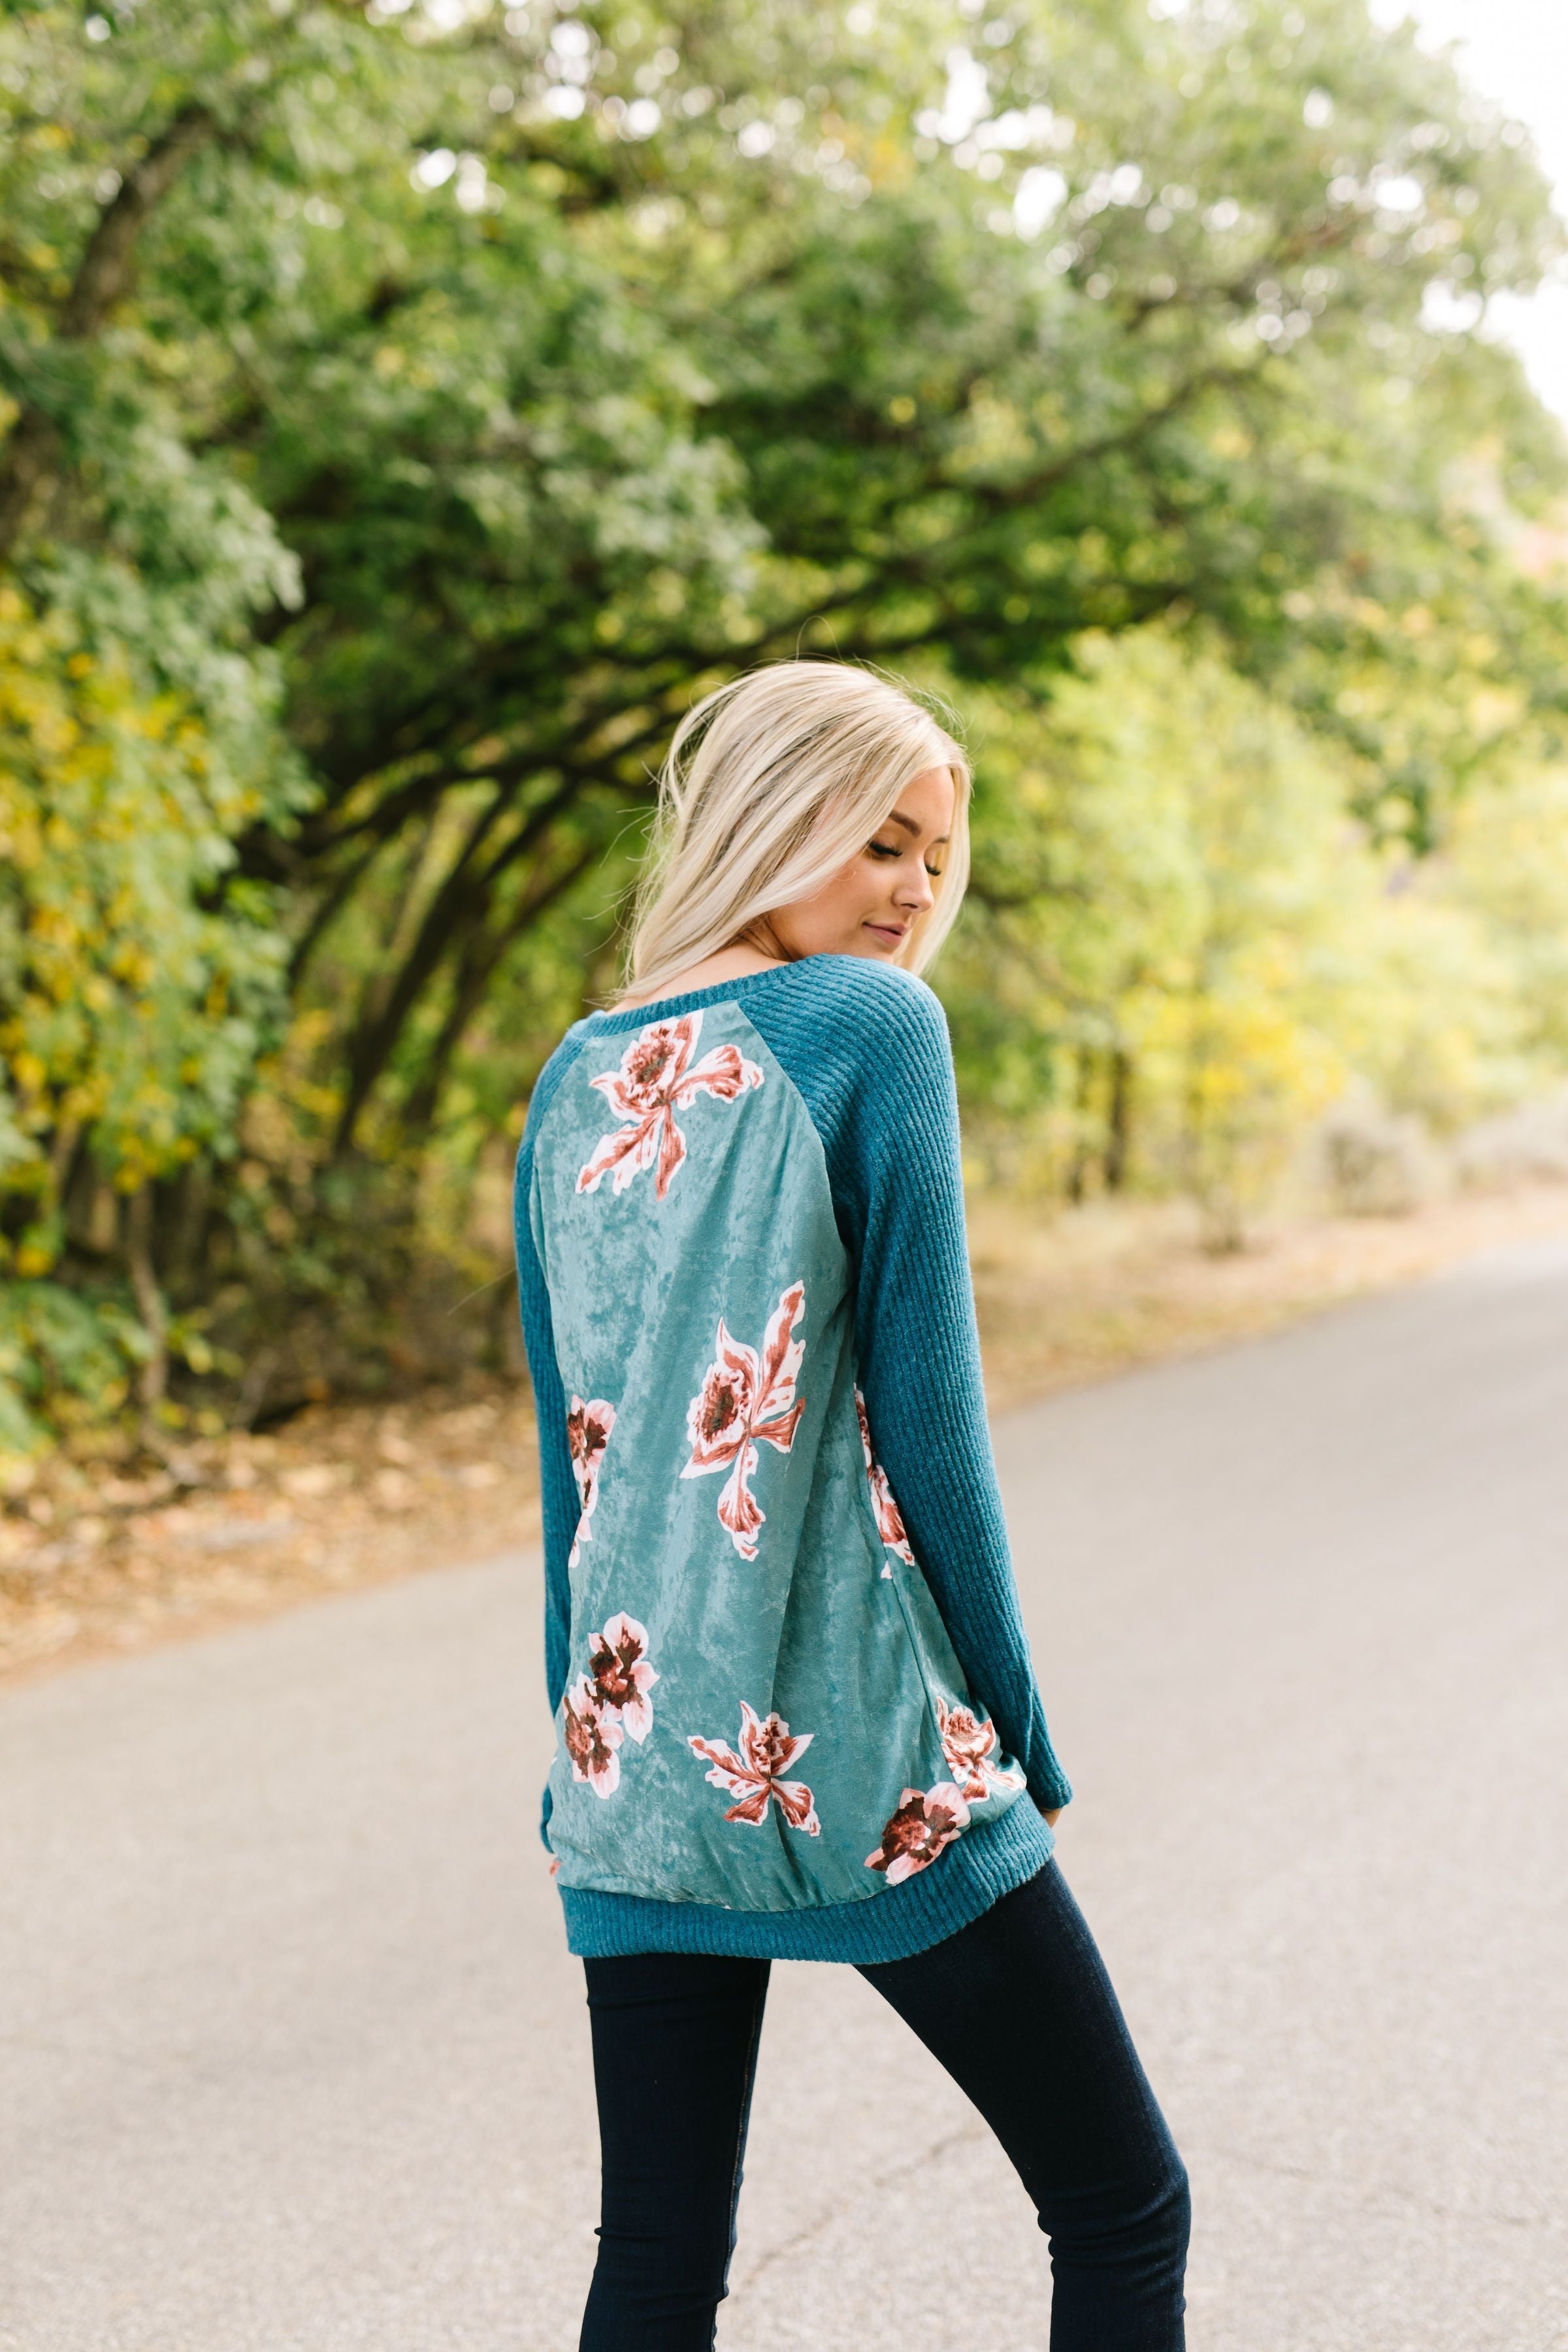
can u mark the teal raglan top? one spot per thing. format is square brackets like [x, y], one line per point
[796, 1712]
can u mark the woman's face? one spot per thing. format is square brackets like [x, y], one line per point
[870, 904]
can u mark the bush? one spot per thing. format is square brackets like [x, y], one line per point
[1374, 1162]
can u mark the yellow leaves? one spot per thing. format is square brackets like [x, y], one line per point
[132, 961]
[136, 1169]
[887, 163]
[117, 974]
[1494, 711]
[162, 719]
[1206, 905]
[1252, 1049]
[309, 1029]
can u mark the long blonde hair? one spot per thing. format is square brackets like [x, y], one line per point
[771, 785]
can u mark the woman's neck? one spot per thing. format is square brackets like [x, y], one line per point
[736, 962]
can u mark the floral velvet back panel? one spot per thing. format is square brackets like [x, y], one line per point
[763, 1710]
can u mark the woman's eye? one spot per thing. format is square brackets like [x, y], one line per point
[934, 872]
[883, 848]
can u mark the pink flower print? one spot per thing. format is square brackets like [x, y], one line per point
[755, 1776]
[744, 1399]
[608, 1702]
[588, 1428]
[968, 1744]
[890, 1518]
[923, 1824]
[591, 1737]
[652, 1083]
[621, 1675]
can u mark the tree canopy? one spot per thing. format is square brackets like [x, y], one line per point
[408, 408]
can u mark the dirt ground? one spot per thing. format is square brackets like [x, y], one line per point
[1101, 1289]
[354, 1493]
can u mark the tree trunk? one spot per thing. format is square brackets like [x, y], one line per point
[1078, 1167]
[476, 969]
[153, 1380]
[188, 1201]
[463, 897]
[1118, 1125]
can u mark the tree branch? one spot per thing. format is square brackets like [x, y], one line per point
[103, 276]
[481, 954]
[30, 463]
[461, 896]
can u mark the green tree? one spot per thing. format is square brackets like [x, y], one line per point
[495, 379]
[1184, 941]
[131, 1014]
[1170, 878]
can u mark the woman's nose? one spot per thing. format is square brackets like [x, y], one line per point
[915, 892]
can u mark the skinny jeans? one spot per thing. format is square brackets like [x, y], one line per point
[1018, 2007]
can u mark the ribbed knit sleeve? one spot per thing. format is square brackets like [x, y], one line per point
[872, 1059]
[557, 1486]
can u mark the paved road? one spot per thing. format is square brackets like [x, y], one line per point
[294, 2061]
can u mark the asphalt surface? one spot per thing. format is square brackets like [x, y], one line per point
[293, 2058]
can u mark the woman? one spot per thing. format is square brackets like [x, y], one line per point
[796, 1716]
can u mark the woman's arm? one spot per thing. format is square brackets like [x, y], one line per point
[917, 1347]
[557, 1486]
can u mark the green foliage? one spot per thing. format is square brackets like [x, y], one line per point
[65, 1359]
[1183, 942]
[1161, 893]
[130, 1014]
[132, 1006]
[1504, 863]
[405, 409]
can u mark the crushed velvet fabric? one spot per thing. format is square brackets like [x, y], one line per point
[795, 1711]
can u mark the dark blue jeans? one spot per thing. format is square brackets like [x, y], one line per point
[1018, 2009]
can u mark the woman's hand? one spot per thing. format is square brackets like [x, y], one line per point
[1053, 1816]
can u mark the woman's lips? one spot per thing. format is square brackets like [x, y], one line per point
[895, 934]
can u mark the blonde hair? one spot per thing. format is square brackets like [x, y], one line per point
[770, 786]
